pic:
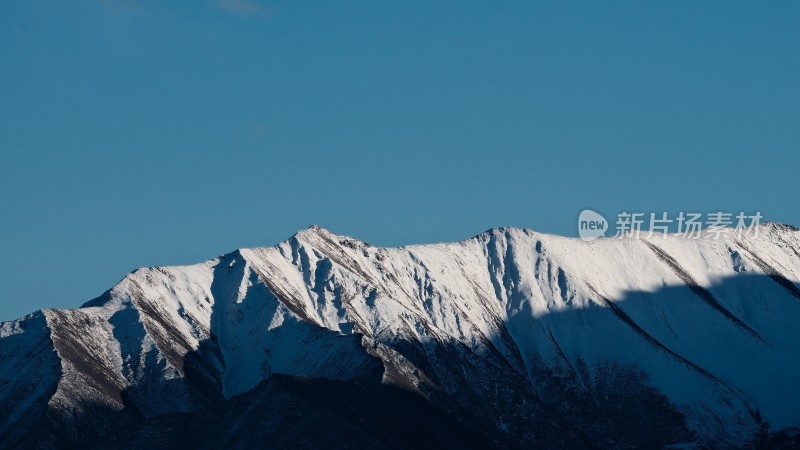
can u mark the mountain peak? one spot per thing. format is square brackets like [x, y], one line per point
[689, 336]
[778, 226]
[314, 229]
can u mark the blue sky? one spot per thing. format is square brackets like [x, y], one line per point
[142, 133]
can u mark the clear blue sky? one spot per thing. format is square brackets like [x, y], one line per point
[141, 133]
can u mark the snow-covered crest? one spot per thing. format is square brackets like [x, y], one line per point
[701, 328]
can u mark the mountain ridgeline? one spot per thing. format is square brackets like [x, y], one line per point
[510, 339]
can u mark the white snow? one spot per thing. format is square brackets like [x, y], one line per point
[293, 308]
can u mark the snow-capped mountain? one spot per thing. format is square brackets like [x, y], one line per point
[511, 338]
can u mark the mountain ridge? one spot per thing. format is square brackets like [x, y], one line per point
[533, 338]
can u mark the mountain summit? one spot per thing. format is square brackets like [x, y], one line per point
[512, 338]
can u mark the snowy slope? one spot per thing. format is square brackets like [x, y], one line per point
[543, 338]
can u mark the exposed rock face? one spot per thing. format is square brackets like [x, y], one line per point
[511, 338]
